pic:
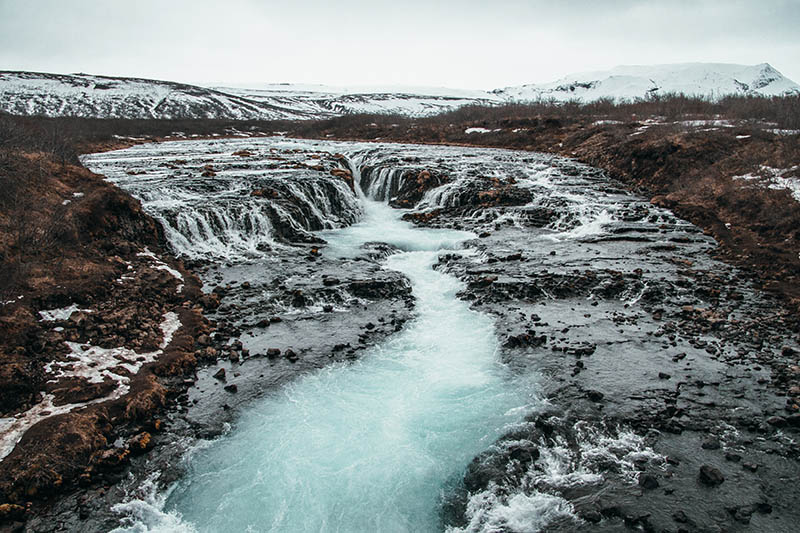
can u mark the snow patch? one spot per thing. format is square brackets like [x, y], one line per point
[93, 363]
[776, 179]
[479, 130]
[61, 314]
[160, 265]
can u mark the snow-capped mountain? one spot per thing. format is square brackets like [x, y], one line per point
[325, 100]
[28, 93]
[82, 95]
[708, 80]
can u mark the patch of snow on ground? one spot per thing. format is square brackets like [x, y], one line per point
[700, 123]
[478, 130]
[61, 314]
[160, 265]
[93, 363]
[776, 179]
[785, 132]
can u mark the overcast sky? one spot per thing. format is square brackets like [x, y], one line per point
[463, 44]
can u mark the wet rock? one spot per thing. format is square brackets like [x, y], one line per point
[648, 481]
[232, 388]
[777, 421]
[291, 355]
[273, 353]
[524, 454]
[793, 420]
[595, 396]
[140, 443]
[220, 374]
[710, 476]
[681, 517]
[592, 516]
[742, 513]
[11, 512]
[211, 352]
[710, 443]
[733, 457]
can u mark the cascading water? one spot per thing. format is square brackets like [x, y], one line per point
[370, 445]
[366, 446]
[236, 211]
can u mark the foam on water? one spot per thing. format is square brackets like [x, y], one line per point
[368, 446]
[372, 445]
[381, 223]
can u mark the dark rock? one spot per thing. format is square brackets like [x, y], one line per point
[777, 421]
[710, 443]
[232, 388]
[140, 443]
[648, 481]
[592, 516]
[793, 420]
[273, 352]
[710, 476]
[595, 396]
[220, 374]
[764, 508]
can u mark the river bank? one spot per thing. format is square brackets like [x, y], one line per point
[709, 329]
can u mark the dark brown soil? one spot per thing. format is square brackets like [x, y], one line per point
[68, 237]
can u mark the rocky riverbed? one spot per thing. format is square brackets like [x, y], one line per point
[666, 382]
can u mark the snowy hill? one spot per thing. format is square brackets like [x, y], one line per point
[323, 100]
[28, 93]
[709, 80]
[82, 95]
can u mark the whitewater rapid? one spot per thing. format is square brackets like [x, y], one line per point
[380, 443]
[366, 446]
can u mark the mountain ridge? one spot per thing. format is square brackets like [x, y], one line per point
[86, 95]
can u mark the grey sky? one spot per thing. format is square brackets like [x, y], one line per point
[465, 44]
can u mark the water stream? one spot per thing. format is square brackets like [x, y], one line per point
[365, 446]
[377, 442]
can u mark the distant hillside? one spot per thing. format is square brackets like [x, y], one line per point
[324, 100]
[82, 95]
[708, 80]
[29, 93]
